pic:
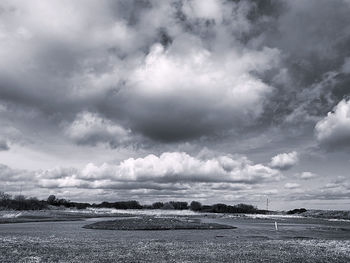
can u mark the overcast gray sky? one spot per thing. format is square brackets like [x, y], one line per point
[208, 100]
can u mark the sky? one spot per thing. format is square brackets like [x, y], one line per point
[209, 100]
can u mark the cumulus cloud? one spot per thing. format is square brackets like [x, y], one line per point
[144, 65]
[213, 92]
[90, 129]
[306, 175]
[291, 186]
[333, 131]
[284, 161]
[168, 168]
[210, 9]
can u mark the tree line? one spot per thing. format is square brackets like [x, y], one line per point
[20, 202]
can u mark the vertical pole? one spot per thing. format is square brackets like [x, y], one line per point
[267, 204]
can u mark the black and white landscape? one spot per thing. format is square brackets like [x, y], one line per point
[175, 131]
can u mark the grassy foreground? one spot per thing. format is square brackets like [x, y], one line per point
[252, 241]
[37, 250]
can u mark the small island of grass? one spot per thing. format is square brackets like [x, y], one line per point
[151, 223]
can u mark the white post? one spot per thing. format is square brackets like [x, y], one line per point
[276, 226]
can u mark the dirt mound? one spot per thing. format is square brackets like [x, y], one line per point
[155, 224]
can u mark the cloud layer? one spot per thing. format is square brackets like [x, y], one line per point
[186, 61]
[168, 168]
[172, 71]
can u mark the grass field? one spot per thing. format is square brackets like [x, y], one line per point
[254, 240]
[157, 250]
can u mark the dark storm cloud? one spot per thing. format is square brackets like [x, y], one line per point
[314, 38]
[174, 71]
[4, 145]
[191, 70]
[137, 64]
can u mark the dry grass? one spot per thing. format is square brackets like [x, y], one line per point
[67, 250]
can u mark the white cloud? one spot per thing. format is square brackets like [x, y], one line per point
[91, 129]
[291, 186]
[214, 92]
[169, 168]
[284, 161]
[306, 175]
[218, 82]
[334, 130]
[210, 9]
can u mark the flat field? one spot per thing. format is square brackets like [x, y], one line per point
[254, 240]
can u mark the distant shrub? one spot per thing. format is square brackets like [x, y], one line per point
[168, 206]
[51, 200]
[223, 208]
[20, 202]
[195, 206]
[244, 208]
[179, 205]
[120, 205]
[219, 208]
[296, 211]
[207, 209]
[157, 205]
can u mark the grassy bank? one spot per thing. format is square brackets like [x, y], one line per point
[37, 250]
[153, 223]
[327, 214]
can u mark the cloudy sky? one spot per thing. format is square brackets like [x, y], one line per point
[208, 100]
